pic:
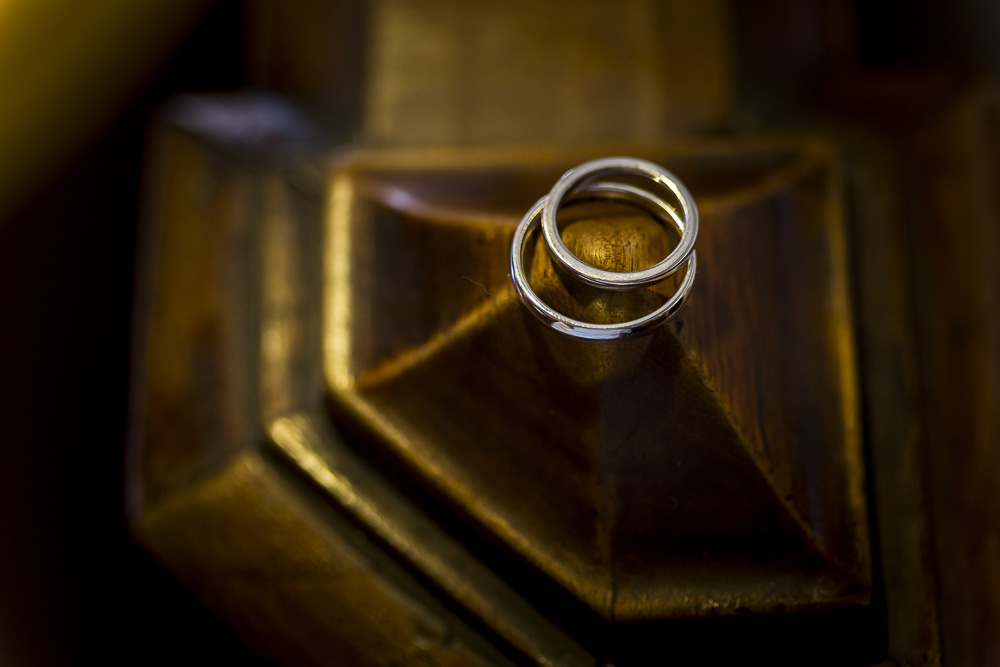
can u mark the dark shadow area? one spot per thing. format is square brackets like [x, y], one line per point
[74, 588]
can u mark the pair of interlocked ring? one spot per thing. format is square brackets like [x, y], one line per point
[595, 181]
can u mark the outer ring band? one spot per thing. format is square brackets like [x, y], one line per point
[576, 179]
[587, 331]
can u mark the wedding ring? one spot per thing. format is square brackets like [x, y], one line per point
[578, 178]
[605, 190]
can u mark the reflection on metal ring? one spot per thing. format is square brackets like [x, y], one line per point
[576, 179]
[604, 190]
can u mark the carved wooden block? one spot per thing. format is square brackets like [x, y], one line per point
[334, 346]
[710, 468]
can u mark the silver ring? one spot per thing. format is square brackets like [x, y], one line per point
[602, 333]
[576, 179]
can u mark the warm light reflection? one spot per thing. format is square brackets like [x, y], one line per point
[65, 69]
[337, 319]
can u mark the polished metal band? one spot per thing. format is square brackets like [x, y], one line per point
[577, 178]
[604, 190]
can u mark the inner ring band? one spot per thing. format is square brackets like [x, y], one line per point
[588, 331]
[576, 179]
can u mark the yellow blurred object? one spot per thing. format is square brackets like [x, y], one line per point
[65, 68]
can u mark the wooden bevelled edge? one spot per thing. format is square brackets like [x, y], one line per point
[309, 442]
[295, 579]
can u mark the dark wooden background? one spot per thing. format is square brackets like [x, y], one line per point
[73, 586]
